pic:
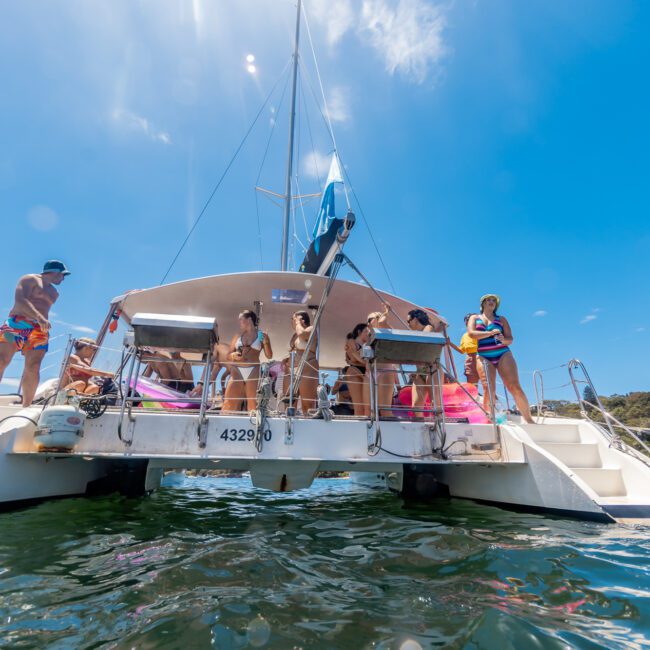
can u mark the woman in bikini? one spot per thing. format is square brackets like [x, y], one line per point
[386, 372]
[357, 366]
[494, 335]
[306, 389]
[423, 382]
[244, 357]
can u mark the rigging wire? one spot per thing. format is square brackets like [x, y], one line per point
[311, 137]
[225, 172]
[322, 91]
[299, 202]
[259, 173]
[372, 237]
[349, 182]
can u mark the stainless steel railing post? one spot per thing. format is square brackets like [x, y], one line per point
[125, 397]
[576, 363]
[539, 391]
[203, 423]
[491, 398]
[291, 383]
[64, 363]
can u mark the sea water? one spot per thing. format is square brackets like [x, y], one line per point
[218, 563]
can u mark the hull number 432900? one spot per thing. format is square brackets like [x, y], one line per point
[242, 435]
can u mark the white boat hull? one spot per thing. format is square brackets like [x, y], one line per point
[563, 466]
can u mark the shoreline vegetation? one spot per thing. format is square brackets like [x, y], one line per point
[632, 409]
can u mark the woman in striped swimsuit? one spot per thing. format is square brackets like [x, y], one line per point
[494, 335]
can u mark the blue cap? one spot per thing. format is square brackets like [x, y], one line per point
[55, 266]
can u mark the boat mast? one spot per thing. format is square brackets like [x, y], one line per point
[292, 119]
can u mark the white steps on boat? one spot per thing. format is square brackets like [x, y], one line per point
[604, 481]
[564, 442]
[541, 433]
[574, 454]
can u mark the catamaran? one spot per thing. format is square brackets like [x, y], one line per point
[72, 445]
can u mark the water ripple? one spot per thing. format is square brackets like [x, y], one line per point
[219, 563]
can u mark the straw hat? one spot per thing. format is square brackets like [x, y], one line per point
[490, 295]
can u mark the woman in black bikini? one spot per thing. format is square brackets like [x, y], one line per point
[386, 372]
[423, 382]
[355, 377]
[244, 355]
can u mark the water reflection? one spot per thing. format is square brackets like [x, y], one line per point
[216, 562]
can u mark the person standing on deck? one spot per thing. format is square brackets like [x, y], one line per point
[28, 329]
[494, 336]
[469, 347]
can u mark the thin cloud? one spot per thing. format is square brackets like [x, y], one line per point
[83, 329]
[337, 16]
[136, 123]
[640, 329]
[337, 105]
[10, 381]
[407, 36]
[539, 313]
[593, 315]
[316, 164]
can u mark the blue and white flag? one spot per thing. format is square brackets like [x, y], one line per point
[326, 214]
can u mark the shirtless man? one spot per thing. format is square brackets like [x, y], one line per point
[27, 328]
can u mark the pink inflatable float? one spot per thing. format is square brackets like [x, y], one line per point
[154, 395]
[456, 402]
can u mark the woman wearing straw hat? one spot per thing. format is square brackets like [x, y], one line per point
[493, 334]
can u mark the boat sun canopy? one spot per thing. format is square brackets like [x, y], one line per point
[279, 294]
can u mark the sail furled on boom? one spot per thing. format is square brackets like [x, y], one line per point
[329, 232]
[327, 210]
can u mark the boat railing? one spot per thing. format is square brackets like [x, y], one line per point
[204, 401]
[611, 423]
[538, 384]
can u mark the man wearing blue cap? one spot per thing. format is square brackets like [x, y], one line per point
[27, 329]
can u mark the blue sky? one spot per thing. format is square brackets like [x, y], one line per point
[494, 146]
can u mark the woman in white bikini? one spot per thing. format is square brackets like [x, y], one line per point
[306, 389]
[244, 358]
[386, 372]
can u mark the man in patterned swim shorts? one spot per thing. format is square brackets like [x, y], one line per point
[27, 329]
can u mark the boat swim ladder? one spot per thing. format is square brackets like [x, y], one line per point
[611, 423]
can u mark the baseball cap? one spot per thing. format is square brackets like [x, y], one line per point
[55, 266]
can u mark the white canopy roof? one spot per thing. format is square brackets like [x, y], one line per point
[224, 296]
